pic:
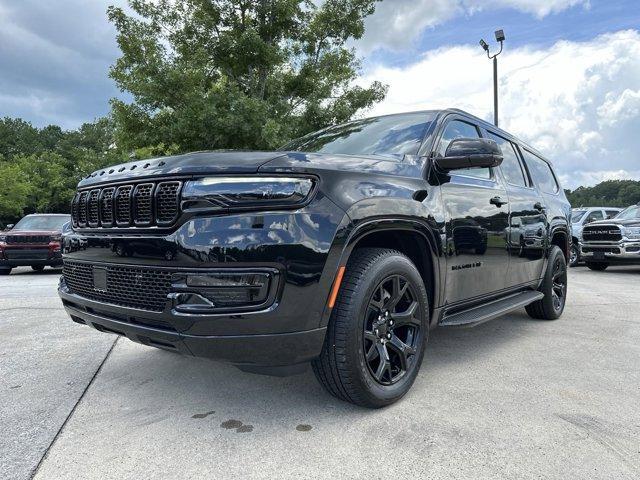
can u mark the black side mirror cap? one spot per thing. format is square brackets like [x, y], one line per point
[470, 153]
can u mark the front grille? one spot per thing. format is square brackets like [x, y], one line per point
[136, 205]
[140, 288]
[143, 203]
[93, 207]
[27, 239]
[167, 201]
[106, 207]
[601, 233]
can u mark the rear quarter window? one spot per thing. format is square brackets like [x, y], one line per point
[541, 173]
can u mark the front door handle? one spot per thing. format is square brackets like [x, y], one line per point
[498, 202]
[538, 206]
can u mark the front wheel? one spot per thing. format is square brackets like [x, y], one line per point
[377, 331]
[554, 287]
[598, 267]
[574, 257]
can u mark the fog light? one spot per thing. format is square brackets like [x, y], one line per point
[231, 290]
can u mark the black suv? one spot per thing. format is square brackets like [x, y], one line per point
[344, 248]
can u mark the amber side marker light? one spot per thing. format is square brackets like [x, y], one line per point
[336, 287]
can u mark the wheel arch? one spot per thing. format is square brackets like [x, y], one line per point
[410, 237]
[561, 238]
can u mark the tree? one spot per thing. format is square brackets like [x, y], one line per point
[610, 193]
[208, 74]
[40, 168]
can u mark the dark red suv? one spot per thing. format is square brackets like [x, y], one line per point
[34, 241]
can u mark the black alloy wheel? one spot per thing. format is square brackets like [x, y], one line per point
[559, 289]
[391, 330]
[378, 330]
[554, 287]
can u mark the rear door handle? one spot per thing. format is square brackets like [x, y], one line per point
[538, 206]
[498, 202]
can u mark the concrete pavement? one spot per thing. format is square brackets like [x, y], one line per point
[513, 398]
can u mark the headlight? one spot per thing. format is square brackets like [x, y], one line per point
[632, 232]
[3, 238]
[244, 192]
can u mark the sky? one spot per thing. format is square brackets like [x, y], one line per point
[569, 75]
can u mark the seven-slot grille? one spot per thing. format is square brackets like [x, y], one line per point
[601, 233]
[141, 288]
[27, 239]
[141, 205]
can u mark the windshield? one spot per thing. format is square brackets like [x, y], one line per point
[630, 213]
[576, 215]
[395, 135]
[40, 222]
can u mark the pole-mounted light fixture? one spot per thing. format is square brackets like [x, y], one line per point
[500, 37]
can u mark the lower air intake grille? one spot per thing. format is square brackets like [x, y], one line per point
[141, 288]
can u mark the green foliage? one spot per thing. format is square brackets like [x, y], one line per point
[40, 168]
[208, 74]
[610, 193]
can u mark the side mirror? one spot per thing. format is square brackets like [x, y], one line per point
[470, 153]
[10, 226]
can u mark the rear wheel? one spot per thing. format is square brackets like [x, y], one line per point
[37, 268]
[377, 331]
[5, 271]
[554, 287]
[598, 267]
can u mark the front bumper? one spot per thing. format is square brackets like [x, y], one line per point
[298, 247]
[624, 251]
[245, 351]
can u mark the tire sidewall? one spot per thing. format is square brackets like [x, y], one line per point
[548, 284]
[382, 268]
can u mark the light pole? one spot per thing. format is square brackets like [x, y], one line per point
[499, 38]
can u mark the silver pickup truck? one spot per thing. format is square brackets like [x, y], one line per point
[581, 217]
[612, 242]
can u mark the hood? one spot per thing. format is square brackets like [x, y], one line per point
[197, 163]
[631, 222]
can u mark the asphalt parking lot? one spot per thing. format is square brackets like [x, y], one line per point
[513, 398]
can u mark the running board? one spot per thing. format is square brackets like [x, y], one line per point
[488, 311]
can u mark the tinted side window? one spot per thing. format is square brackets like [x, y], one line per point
[459, 129]
[511, 167]
[612, 213]
[541, 173]
[594, 216]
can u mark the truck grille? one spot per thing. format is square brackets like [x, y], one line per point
[28, 239]
[135, 205]
[601, 233]
[141, 288]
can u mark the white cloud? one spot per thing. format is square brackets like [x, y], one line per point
[396, 23]
[577, 102]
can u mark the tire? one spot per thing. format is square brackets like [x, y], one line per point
[37, 268]
[361, 338]
[554, 287]
[574, 258]
[598, 267]
[5, 271]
